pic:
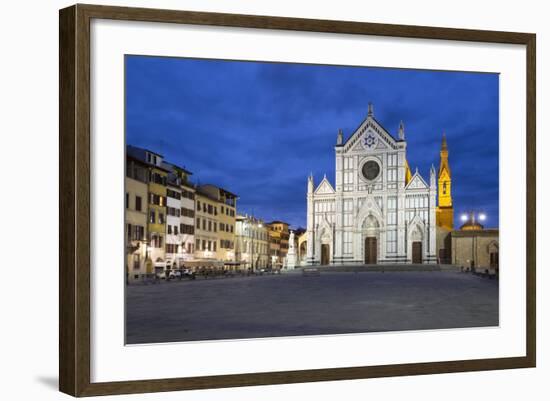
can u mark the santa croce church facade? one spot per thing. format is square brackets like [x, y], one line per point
[378, 211]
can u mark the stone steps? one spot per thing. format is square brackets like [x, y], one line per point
[387, 268]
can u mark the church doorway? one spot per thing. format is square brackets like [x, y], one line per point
[371, 250]
[493, 259]
[493, 255]
[325, 257]
[417, 252]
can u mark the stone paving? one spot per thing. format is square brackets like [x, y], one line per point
[293, 305]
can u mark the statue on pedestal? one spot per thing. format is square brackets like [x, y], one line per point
[291, 255]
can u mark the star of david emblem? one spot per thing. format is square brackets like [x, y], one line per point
[370, 140]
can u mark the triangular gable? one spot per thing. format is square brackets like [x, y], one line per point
[324, 226]
[370, 124]
[416, 221]
[417, 182]
[324, 188]
[358, 147]
[369, 206]
[381, 145]
[417, 229]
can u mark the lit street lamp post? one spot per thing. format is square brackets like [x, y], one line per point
[471, 218]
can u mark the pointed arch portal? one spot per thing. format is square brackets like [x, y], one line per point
[371, 234]
[371, 250]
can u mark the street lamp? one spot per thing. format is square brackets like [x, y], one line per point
[470, 223]
[472, 217]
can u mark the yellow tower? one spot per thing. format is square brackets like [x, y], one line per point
[444, 197]
[408, 174]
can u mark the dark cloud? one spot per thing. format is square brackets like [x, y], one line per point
[259, 129]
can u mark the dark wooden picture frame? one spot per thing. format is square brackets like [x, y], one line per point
[74, 203]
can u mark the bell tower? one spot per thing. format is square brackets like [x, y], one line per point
[444, 214]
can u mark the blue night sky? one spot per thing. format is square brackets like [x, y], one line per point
[258, 129]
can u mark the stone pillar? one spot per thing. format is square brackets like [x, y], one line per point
[432, 252]
[338, 251]
[401, 223]
[310, 223]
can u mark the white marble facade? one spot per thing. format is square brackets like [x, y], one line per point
[378, 212]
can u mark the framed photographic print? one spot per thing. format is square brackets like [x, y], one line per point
[250, 200]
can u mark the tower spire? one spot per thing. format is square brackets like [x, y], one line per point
[444, 216]
[408, 174]
[310, 183]
[432, 177]
[444, 156]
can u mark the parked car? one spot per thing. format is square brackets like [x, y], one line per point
[174, 274]
[161, 275]
[186, 273]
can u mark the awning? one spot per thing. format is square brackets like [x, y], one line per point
[203, 263]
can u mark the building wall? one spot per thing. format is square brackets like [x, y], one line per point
[445, 217]
[443, 245]
[157, 218]
[173, 212]
[274, 247]
[206, 227]
[282, 229]
[180, 228]
[476, 246]
[215, 234]
[136, 216]
[226, 234]
[251, 243]
[278, 242]
[187, 222]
